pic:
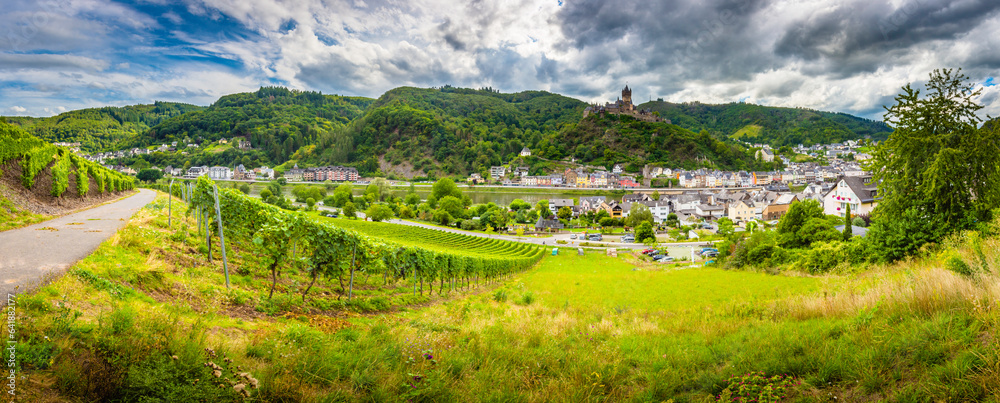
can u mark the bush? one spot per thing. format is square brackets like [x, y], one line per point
[824, 256]
[957, 265]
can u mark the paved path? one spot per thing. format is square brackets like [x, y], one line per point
[31, 255]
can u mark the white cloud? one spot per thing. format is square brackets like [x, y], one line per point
[17, 109]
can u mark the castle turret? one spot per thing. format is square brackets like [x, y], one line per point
[627, 95]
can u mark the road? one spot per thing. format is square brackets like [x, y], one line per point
[32, 255]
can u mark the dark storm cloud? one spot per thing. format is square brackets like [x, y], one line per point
[450, 35]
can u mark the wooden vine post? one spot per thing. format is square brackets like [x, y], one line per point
[350, 287]
[170, 199]
[222, 237]
[208, 234]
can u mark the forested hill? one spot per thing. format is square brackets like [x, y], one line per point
[614, 139]
[770, 125]
[447, 131]
[277, 120]
[100, 129]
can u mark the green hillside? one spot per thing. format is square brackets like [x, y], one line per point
[621, 139]
[102, 129]
[447, 131]
[277, 120]
[775, 126]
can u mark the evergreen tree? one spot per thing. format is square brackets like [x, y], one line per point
[847, 224]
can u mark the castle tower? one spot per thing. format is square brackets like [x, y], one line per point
[627, 95]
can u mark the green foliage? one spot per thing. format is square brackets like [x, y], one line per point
[60, 175]
[847, 224]
[565, 213]
[445, 187]
[770, 125]
[639, 213]
[303, 192]
[342, 195]
[957, 265]
[379, 212]
[644, 231]
[82, 180]
[245, 188]
[938, 162]
[442, 216]
[757, 387]
[792, 224]
[149, 175]
[453, 206]
[904, 235]
[824, 256]
[726, 226]
[349, 210]
[859, 222]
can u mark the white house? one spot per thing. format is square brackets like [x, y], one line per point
[525, 152]
[857, 191]
[556, 204]
[497, 172]
[220, 173]
[660, 209]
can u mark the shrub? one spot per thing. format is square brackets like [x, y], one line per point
[60, 176]
[757, 387]
[957, 265]
[824, 256]
[500, 295]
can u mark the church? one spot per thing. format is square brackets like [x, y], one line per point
[623, 106]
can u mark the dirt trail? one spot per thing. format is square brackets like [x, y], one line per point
[31, 255]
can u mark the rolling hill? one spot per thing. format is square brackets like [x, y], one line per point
[770, 125]
[102, 129]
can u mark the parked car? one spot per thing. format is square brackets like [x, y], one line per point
[653, 252]
[595, 237]
[710, 254]
[646, 251]
[332, 215]
[707, 250]
[666, 259]
[628, 238]
[573, 236]
[658, 257]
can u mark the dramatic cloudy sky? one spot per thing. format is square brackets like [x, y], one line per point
[840, 55]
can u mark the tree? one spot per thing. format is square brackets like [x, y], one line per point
[847, 224]
[518, 205]
[543, 208]
[379, 212]
[150, 175]
[445, 187]
[245, 189]
[938, 162]
[349, 210]
[798, 214]
[442, 216]
[565, 212]
[859, 222]
[343, 194]
[412, 199]
[310, 203]
[644, 232]
[453, 206]
[726, 226]
[265, 194]
[656, 195]
[639, 214]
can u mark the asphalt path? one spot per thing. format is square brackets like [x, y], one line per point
[32, 255]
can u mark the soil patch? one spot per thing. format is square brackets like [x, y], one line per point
[39, 199]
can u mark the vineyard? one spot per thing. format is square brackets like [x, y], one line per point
[35, 155]
[434, 239]
[287, 239]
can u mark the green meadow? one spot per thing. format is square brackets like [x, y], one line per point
[148, 318]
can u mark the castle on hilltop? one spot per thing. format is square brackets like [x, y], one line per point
[623, 106]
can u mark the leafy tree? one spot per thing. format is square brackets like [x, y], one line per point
[343, 194]
[726, 226]
[608, 222]
[644, 232]
[412, 199]
[405, 212]
[847, 224]
[518, 205]
[903, 235]
[565, 212]
[379, 212]
[150, 175]
[795, 219]
[672, 220]
[245, 188]
[639, 214]
[543, 208]
[349, 210]
[938, 162]
[310, 203]
[656, 195]
[442, 216]
[859, 222]
[445, 187]
[453, 206]
[265, 194]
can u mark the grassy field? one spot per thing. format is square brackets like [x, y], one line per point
[145, 307]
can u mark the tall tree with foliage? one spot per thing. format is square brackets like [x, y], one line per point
[938, 161]
[847, 224]
[639, 213]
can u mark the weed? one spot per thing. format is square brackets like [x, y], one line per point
[757, 387]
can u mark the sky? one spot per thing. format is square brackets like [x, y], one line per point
[847, 56]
